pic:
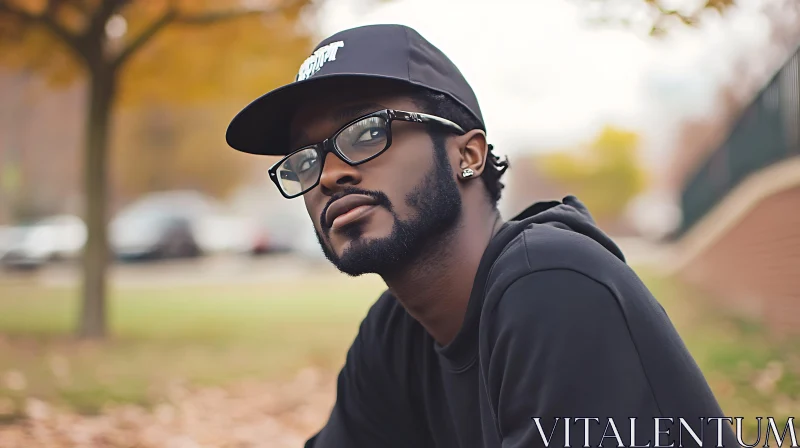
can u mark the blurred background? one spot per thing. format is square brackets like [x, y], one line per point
[157, 291]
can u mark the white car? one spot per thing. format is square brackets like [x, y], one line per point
[7, 236]
[53, 238]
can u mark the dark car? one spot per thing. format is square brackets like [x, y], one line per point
[157, 227]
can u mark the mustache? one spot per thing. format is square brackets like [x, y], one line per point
[380, 199]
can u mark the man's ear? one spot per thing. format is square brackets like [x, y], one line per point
[473, 151]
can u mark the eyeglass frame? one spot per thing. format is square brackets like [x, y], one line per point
[329, 144]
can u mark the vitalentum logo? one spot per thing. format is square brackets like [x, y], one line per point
[315, 62]
[667, 433]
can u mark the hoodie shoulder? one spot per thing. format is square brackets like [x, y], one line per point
[554, 235]
[551, 245]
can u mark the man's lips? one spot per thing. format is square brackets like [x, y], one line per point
[347, 206]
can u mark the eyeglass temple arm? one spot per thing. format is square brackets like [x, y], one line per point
[420, 117]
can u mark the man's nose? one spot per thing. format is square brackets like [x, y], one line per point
[337, 174]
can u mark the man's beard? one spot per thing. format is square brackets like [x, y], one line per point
[437, 205]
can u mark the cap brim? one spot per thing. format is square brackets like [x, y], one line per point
[262, 127]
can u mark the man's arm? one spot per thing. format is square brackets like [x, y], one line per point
[559, 346]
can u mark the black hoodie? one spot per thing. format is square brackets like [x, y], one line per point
[557, 328]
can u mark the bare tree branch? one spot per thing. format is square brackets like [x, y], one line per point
[143, 38]
[50, 7]
[73, 42]
[82, 7]
[97, 22]
[688, 19]
[172, 16]
[218, 16]
[658, 13]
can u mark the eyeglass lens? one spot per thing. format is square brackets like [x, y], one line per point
[357, 142]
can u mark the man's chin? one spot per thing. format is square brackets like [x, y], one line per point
[362, 255]
[353, 238]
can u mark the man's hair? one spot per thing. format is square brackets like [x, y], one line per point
[443, 106]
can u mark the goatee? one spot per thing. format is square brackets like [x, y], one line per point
[437, 206]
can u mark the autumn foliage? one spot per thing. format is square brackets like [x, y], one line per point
[151, 55]
[605, 173]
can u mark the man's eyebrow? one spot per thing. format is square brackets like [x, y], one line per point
[343, 115]
[347, 113]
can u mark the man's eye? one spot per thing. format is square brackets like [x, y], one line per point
[370, 135]
[306, 164]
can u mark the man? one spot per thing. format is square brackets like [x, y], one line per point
[491, 333]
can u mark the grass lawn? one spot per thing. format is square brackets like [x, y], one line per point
[213, 335]
[751, 373]
[200, 335]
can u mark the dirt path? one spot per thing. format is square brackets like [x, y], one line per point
[245, 415]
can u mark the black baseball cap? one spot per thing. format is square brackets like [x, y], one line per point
[391, 52]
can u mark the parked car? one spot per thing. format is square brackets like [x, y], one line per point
[7, 238]
[223, 232]
[67, 236]
[26, 250]
[262, 242]
[54, 238]
[160, 225]
[226, 232]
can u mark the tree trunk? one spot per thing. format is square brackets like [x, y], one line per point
[93, 319]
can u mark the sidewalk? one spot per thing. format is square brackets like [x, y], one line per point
[218, 269]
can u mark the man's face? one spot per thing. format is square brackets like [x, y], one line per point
[411, 188]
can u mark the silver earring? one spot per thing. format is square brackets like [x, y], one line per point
[467, 172]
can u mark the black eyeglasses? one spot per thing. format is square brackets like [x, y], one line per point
[357, 142]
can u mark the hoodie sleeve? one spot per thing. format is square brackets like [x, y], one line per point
[559, 348]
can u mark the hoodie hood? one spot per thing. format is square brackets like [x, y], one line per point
[568, 214]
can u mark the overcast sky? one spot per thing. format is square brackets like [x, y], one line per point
[545, 78]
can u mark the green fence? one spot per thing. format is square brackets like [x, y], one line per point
[766, 133]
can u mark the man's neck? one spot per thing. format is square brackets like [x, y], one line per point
[436, 288]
